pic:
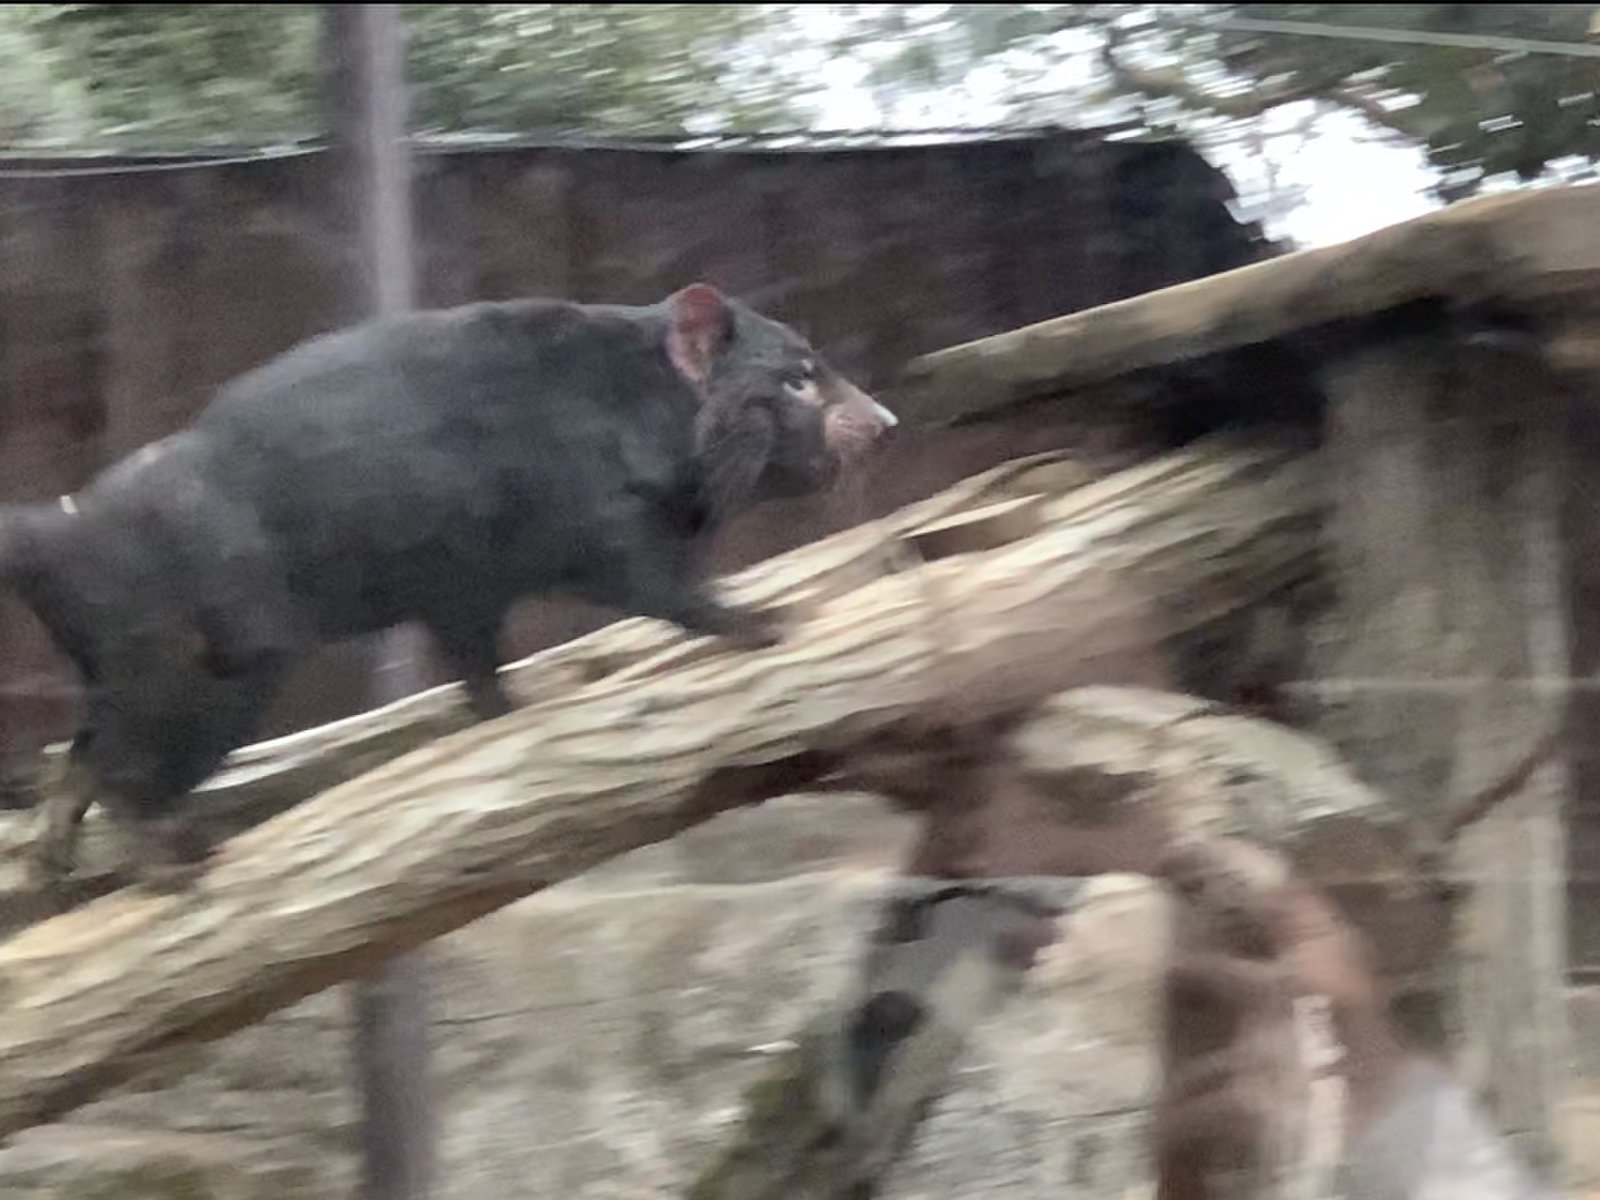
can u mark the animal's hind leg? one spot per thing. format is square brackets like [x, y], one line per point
[167, 851]
[149, 779]
[67, 798]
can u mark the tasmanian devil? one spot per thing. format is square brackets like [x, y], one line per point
[436, 467]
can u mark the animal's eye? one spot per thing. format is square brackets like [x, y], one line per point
[801, 382]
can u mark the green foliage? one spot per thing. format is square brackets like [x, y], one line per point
[1479, 112]
[609, 68]
[173, 75]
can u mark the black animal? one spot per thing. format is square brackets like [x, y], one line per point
[435, 467]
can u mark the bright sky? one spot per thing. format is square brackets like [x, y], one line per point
[1355, 182]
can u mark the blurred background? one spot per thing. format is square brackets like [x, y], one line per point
[1331, 119]
[892, 180]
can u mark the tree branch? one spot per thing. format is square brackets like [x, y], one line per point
[1171, 83]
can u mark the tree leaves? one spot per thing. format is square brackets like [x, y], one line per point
[174, 75]
[1479, 112]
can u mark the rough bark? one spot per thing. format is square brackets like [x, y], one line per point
[1446, 679]
[437, 838]
[1530, 250]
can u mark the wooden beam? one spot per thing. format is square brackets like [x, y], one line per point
[435, 839]
[1534, 250]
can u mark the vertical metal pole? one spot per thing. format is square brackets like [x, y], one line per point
[365, 49]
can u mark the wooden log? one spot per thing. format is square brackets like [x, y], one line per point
[1445, 679]
[1529, 250]
[439, 837]
[260, 781]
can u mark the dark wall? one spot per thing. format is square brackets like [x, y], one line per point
[128, 294]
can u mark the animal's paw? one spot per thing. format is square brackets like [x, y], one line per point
[49, 863]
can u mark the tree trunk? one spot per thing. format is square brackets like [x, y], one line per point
[426, 844]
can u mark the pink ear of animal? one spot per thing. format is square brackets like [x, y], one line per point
[699, 327]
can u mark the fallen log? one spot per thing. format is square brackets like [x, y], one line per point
[437, 838]
[260, 781]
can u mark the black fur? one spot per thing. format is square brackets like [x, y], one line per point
[436, 467]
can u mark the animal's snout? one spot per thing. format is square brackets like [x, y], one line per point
[861, 418]
[852, 434]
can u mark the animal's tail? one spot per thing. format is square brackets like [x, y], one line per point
[26, 531]
[14, 547]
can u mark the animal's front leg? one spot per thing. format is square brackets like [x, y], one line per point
[655, 582]
[746, 628]
[650, 575]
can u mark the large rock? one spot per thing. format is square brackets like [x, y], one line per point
[594, 1042]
